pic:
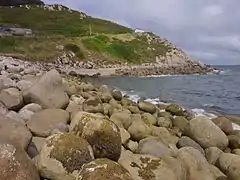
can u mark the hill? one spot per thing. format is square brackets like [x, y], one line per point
[20, 2]
[56, 29]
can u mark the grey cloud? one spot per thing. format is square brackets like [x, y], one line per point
[208, 29]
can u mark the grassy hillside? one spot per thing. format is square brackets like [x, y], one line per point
[59, 25]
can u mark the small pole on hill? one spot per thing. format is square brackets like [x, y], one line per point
[90, 29]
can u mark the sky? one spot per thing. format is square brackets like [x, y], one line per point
[208, 30]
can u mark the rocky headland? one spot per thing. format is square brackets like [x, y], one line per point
[57, 127]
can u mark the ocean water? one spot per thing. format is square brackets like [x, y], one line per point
[204, 94]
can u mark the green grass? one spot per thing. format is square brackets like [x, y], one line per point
[54, 28]
[50, 23]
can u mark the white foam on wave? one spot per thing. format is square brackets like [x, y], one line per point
[202, 112]
[235, 126]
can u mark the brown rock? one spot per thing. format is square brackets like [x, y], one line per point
[15, 133]
[224, 124]
[101, 169]
[44, 122]
[12, 98]
[15, 164]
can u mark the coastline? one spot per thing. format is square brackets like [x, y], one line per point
[59, 122]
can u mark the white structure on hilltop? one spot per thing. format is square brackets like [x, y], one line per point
[139, 31]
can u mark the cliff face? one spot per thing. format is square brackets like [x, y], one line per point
[20, 2]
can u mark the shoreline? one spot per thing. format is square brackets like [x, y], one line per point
[61, 126]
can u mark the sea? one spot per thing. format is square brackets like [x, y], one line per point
[208, 95]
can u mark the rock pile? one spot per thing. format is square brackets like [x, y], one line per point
[59, 128]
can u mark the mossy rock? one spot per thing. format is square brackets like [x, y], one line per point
[102, 134]
[63, 156]
[101, 169]
[175, 109]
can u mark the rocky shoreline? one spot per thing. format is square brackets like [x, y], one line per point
[81, 69]
[57, 127]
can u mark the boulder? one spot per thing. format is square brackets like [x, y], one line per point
[166, 115]
[38, 142]
[164, 122]
[147, 107]
[195, 163]
[164, 135]
[180, 122]
[235, 132]
[32, 107]
[212, 154]
[206, 133]
[149, 119]
[134, 109]
[236, 151]
[87, 86]
[63, 156]
[234, 141]
[123, 118]
[102, 134]
[144, 167]
[117, 95]
[6, 83]
[93, 105]
[15, 164]
[218, 175]
[127, 102]
[48, 92]
[139, 130]
[25, 115]
[125, 136]
[224, 124]
[42, 123]
[105, 97]
[24, 85]
[230, 165]
[15, 133]
[131, 145]
[185, 141]
[14, 116]
[175, 109]
[101, 169]
[156, 147]
[12, 98]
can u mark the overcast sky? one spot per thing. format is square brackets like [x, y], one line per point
[208, 30]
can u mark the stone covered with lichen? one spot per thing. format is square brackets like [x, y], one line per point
[100, 169]
[145, 167]
[101, 133]
[63, 156]
[15, 164]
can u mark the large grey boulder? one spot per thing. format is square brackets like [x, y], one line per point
[230, 165]
[12, 98]
[62, 157]
[139, 130]
[195, 163]
[15, 164]
[93, 105]
[188, 142]
[101, 169]
[147, 107]
[48, 91]
[145, 167]
[206, 133]
[212, 154]
[156, 147]
[123, 118]
[15, 133]
[6, 83]
[44, 122]
[101, 133]
[224, 124]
